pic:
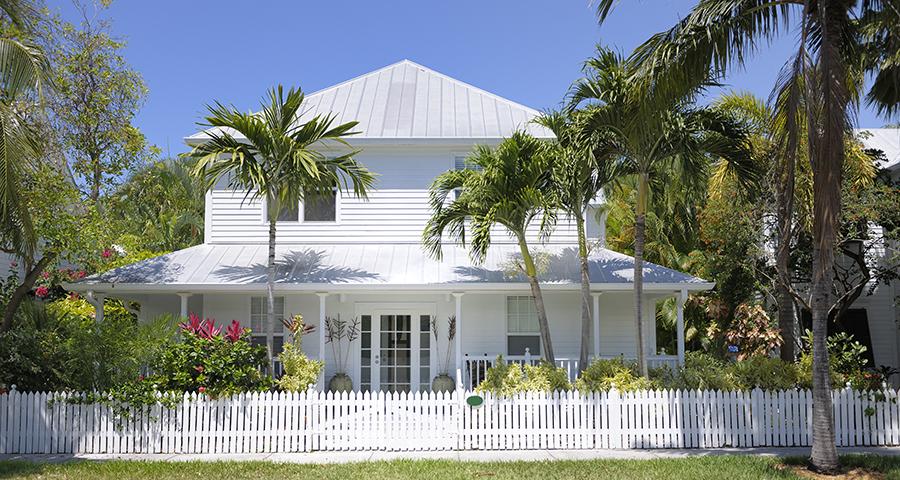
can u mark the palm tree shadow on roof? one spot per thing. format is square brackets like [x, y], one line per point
[297, 266]
[562, 266]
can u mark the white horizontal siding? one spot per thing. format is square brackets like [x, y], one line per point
[395, 212]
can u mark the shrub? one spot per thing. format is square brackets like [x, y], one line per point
[299, 371]
[604, 375]
[61, 346]
[507, 379]
[765, 373]
[704, 372]
[205, 361]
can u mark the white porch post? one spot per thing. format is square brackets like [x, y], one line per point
[680, 324]
[596, 324]
[96, 299]
[457, 296]
[184, 303]
[322, 297]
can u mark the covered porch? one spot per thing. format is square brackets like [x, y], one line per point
[396, 294]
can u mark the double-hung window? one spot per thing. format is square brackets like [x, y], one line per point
[316, 207]
[258, 327]
[522, 330]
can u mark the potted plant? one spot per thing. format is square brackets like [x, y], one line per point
[337, 332]
[443, 382]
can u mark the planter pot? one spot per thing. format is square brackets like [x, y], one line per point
[341, 382]
[443, 383]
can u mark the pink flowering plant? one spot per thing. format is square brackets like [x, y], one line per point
[48, 285]
[210, 362]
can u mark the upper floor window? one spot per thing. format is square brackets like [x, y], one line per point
[461, 162]
[319, 207]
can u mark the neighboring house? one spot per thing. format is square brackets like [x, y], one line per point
[878, 314]
[353, 258]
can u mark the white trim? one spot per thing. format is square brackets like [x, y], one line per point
[369, 288]
[207, 216]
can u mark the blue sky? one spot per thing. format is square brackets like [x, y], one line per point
[193, 52]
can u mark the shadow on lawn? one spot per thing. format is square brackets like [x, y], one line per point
[887, 465]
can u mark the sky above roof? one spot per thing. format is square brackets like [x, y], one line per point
[529, 51]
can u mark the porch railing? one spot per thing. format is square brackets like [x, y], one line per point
[475, 366]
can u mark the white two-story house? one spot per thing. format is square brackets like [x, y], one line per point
[363, 259]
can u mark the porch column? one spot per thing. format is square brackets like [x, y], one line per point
[96, 299]
[596, 324]
[457, 296]
[679, 302]
[322, 297]
[184, 303]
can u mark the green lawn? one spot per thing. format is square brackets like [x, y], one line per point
[718, 467]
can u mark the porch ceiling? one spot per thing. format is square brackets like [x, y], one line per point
[374, 266]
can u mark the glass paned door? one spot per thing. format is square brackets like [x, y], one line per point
[394, 351]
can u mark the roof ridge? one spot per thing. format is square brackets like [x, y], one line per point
[435, 72]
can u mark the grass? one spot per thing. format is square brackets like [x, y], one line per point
[711, 467]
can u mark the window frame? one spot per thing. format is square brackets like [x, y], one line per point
[300, 212]
[520, 334]
[265, 334]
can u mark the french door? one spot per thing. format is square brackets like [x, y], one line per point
[395, 353]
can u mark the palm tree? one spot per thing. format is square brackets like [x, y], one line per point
[839, 43]
[583, 167]
[513, 188]
[23, 74]
[274, 157]
[675, 142]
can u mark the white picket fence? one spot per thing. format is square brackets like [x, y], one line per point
[283, 422]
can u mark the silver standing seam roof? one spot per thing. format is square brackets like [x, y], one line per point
[364, 266]
[408, 101]
[885, 139]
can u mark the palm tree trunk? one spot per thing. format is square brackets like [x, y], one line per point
[826, 213]
[585, 296]
[270, 294]
[543, 324]
[639, 219]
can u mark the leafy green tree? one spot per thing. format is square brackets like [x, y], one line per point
[584, 166]
[69, 231]
[274, 157]
[95, 98]
[839, 44]
[513, 188]
[673, 144]
[161, 206]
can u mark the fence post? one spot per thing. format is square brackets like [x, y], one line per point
[614, 405]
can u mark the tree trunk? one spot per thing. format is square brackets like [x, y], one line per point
[96, 180]
[19, 293]
[787, 319]
[543, 324]
[270, 294]
[583, 357]
[639, 218]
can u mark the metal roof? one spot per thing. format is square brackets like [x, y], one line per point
[408, 101]
[225, 267]
[885, 139]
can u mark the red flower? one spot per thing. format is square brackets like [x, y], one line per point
[106, 253]
[192, 325]
[199, 368]
[42, 292]
[209, 329]
[45, 275]
[234, 331]
[73, 296]
[201, 389]
[140, 378]
[80, 274]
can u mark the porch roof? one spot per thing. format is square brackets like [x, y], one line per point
[229, 267]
